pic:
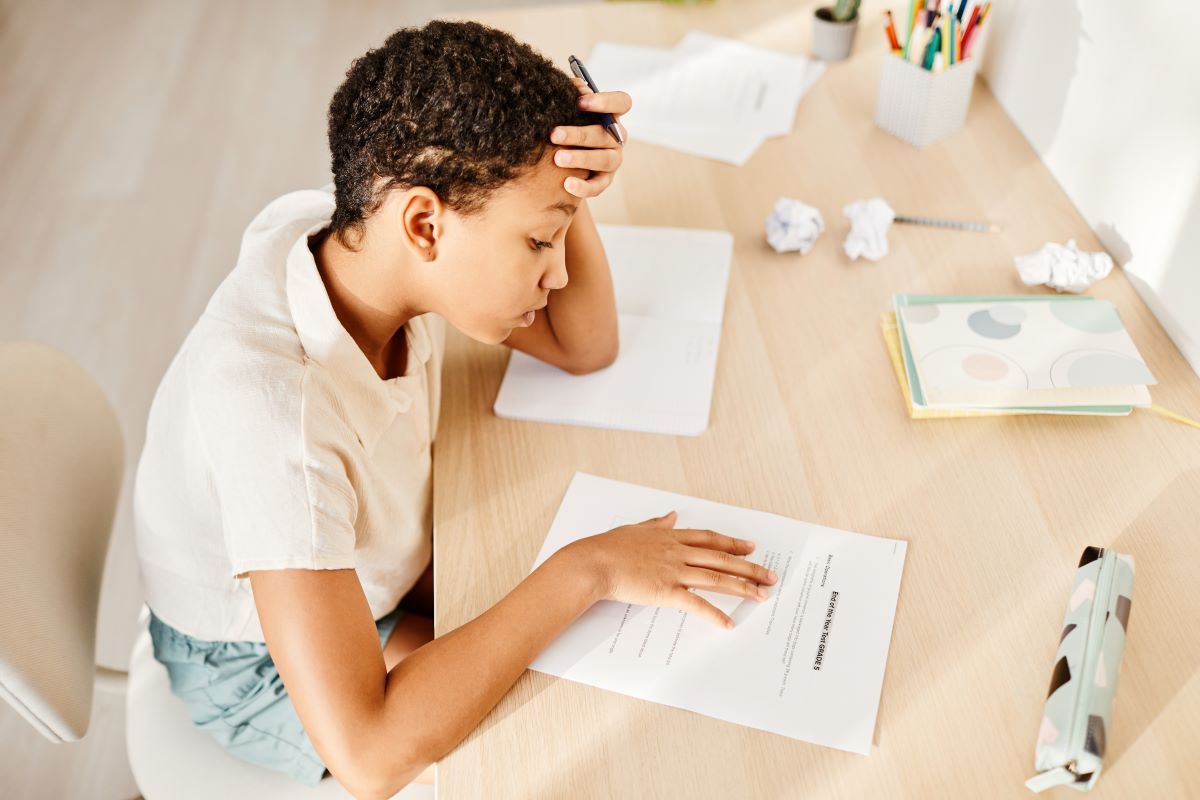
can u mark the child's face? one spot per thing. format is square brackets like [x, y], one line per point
[502, 262]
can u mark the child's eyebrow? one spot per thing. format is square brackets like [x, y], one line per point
[563, 206]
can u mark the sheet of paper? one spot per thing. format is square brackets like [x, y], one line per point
[807, 663]
[729, 145]
[781, 80]
[670, 288]
[646, 74]
[683, 89]
[709, 96]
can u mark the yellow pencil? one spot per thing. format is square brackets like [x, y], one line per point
[946, 41]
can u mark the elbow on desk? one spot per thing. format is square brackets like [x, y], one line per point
[595, 360]
[376, 775]
[378, 782]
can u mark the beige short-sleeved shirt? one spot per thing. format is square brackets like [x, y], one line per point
[272, 443]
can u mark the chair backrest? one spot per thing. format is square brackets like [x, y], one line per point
[60, 473]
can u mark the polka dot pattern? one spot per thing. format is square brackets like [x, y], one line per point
[1087, 317]
[996, 322]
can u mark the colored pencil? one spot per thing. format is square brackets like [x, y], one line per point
[890, 29]
[956, 224]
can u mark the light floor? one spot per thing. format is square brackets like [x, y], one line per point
[137, 139]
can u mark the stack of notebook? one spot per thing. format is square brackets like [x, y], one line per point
[967, 355]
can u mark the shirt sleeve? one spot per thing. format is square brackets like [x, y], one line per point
[276, 459]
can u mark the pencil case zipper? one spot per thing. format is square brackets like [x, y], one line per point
[1093, 647]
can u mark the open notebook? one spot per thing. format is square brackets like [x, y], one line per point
[670, 287]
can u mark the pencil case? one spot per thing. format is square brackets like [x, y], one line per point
[1075, 725]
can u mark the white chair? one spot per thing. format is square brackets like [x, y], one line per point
[60, 471]
[173, 759]
[60, 474]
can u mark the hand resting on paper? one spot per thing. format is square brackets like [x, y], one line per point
[597, 150]
[653, 563]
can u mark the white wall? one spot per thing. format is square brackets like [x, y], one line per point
[1108, 92]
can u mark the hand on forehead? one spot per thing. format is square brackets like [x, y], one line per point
[591, 147]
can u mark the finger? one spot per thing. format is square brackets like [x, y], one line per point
[594, 136]
[589, 188]
[729, 564]
[694, 604]
[607, 160]
[581, 85]
[606, 102]
[715, 541]
[713, 581]
[665, 521]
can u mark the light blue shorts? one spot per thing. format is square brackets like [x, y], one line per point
[234, 692]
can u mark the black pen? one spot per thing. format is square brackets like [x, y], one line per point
[606, 120]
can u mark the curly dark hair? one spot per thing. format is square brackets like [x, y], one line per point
[456, 106]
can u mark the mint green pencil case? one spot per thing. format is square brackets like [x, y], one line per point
[1075, 725]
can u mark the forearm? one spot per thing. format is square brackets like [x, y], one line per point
[438, 694]
[583, 313]
[577, 331]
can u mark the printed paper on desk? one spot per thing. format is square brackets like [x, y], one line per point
[670, 289]
[807, 663]
[648, 75]
[709, 96]
[772, 85]
[731, 145]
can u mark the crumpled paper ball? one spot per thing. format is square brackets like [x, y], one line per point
[1064, 268]
[793, 226]
[869, 223]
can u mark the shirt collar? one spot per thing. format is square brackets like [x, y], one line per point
[370, 403]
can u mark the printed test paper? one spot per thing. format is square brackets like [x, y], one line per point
[807, 663]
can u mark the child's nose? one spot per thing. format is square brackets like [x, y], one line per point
[556, 276]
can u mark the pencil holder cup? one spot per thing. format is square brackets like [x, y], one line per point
[920, 106]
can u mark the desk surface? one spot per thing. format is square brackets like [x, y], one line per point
[807, 421]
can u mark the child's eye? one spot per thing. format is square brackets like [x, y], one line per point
[538, 244]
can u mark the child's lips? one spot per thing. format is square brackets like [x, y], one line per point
[529, 315]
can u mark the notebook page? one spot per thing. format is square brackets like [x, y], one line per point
[670, 286]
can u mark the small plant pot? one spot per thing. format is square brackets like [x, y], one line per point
[832, 40]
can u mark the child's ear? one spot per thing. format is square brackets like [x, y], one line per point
[422, 221]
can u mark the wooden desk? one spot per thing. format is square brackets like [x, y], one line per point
[807, 421]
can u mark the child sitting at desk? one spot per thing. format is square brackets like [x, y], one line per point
[283, 497]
